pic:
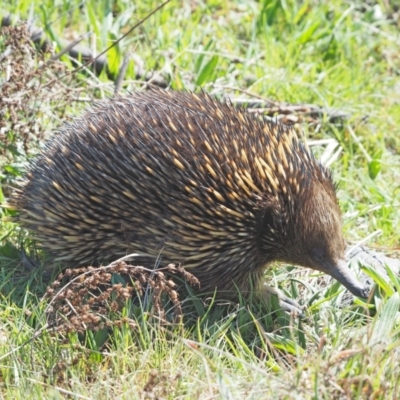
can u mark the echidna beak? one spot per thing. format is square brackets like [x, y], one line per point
[342, 273]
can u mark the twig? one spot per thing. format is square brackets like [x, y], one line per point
[251, 94]
[61, 390]
[67, 48]
[365, 240]
[358, 141]
[34, 336]
[118, 40]
[121, 73]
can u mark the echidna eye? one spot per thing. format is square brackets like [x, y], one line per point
[317, 254]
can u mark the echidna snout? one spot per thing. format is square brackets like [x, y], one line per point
[319, 241]
[188, 179]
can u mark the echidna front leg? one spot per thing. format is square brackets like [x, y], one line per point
[289, 305]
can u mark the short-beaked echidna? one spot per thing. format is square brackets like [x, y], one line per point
[190, 180]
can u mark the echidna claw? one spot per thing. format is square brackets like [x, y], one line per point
[286, 303]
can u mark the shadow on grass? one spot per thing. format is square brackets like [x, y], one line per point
[246, 322]
[21, 273]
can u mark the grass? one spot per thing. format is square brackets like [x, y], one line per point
[341, 54]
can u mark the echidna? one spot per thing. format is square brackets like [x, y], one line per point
[190, 180]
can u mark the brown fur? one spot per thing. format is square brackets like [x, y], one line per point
[186, 179]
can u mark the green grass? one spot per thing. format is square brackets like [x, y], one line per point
[338, 54]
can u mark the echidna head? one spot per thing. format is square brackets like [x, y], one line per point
[312, 235]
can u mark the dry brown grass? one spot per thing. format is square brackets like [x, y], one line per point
[31, 93]
[82, 299]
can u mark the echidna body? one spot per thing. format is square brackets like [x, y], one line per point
[186, 179]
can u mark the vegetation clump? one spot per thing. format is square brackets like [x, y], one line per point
[88, 298]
